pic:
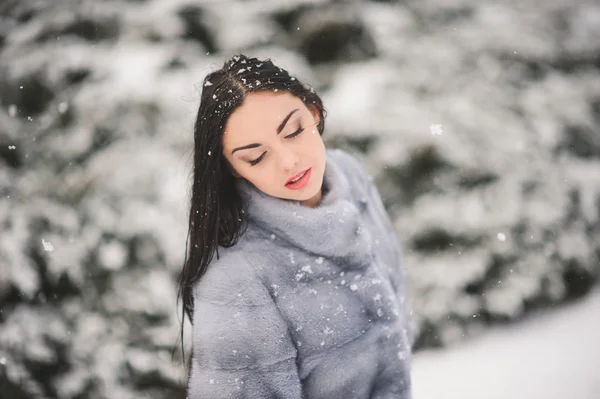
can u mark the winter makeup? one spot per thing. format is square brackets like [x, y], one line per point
[272, 141]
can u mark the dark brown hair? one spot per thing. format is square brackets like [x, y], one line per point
[217, 214]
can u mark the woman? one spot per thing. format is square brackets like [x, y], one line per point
[304, 298]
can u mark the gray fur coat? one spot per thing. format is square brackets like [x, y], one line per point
[309, 303]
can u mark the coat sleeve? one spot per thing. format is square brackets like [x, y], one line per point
[241, 345]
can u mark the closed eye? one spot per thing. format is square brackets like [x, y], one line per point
[289, 136]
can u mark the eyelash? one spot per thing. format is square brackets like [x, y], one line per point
[290, 136]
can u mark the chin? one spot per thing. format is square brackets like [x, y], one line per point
[315, 187]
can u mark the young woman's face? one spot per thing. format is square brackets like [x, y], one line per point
[271, 138]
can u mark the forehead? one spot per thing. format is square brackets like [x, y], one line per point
[260, 114]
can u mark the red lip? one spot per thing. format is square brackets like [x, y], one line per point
[296, 176]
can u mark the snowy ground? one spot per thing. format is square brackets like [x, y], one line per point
[550, 355]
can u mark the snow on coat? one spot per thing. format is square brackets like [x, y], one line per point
[309, 303]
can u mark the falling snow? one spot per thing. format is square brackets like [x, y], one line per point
[435, 130]
[307, 269]
[47, 245]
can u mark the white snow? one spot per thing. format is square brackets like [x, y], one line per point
[48, 247]
[550, 355]
[435, 129]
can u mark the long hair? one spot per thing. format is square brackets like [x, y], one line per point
[217, 216]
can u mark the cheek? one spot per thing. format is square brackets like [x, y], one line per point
[264, 179]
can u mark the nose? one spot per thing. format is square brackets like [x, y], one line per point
[288, 160]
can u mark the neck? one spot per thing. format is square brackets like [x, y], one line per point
[331, 229]
[314, 201]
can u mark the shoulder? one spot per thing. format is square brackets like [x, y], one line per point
[231, 279]
[361, 183]
[351, 164]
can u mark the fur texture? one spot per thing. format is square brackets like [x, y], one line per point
[309, 303]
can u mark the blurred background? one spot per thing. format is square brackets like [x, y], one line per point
[478, 120]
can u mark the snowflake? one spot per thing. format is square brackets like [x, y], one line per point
[501, 237]
[319, 260]
[307, 269]
[435, 129]
[47, 245]
[207, 83]
[275, 286]
[353, 287]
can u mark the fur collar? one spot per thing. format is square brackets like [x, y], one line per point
[334, 228]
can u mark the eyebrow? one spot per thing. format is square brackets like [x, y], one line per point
[279, 129]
